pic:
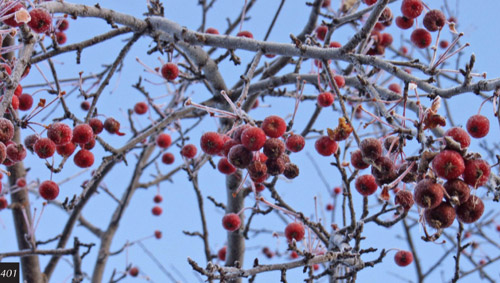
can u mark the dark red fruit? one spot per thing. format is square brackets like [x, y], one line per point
[391, 144]
[65, 150]
[476, 173]
[421, 38]
[158, 234]
[16, 152]
[163, 140]
[6, 130]
[253, 138]
[441, 216]
[471, 210]
[276, 166]
[45, 148]
[84, 158]
[434, 20]
[3, 203]
[386, 39]
[40, 20]
[458, 191]
[403, 258]
[366, 185]
[295, 230]
[158, 199]
[295, 143]
[85, 105]
[321, 32]
[478, 126]
[273, 148]
[412, 8]
[459, 135]
[291, 171]
[404, 22]
[168, 158]
[395, 87]
[157, 211]
[236, 135]
[383, 169]
[62, 24]
[357, 160]
[211, 143]
[325, 99]
[240, 156]
[326, 146]
[48, 190]
[170, 71]
[225, 167]
[82, 134]
[405, 199]
[245, 33]
[221, 254]
[274, 126]
[141, 108]
[335, 44]
[25, 102]
[371, 148]
[29, 141]
[428, 194]
[189, 151]
[60, 37]
[231, 222]
[97, 125]
[60, 133]
[370, 2]
[134, 271]
[448, 164]
[212, 31]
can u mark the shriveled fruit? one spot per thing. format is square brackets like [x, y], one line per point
[441, 216]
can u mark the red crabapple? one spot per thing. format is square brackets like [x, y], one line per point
[97, 125]
[170, 71]
[335, 44]
[163, 140]
[245, 33]
[29, 141]
[6, 130]
[329, 207]
[211, 143]
[253, 138]
[357, 160]
[434, 20]
[405, 199]
[321, 32]
[295, 143]
[240, 156]
[471, 210]
[158, 234]
[48, 190]
[40, 20]
[325, 99]
[441, 216]
[84, 158]
[295, 230]
[3, 203]
[189, 151]
[25, 102]
[44, 148]
[273, 148]
[366, 185]
[458, 191]
[168, 158]
[259, 187]
[411, 8]
[134, 271]
[158, 199]
[291, 171]
[274, 126]
[276, 166]
[476, 172]
[65, 150]
[236, 135]
[141, 108]
[395, 87]
[326, 146]
[443, 44]
[421, 38]
[225, 167]
[231, 222]
[85, 105]
[60, 37]
[478, 126]
[404, 22]
[448, 164]
[82, 134]
[371, 149]
[156, 210]
[403, 258]
[62, 24]
[221, 254]
[211, 31]
[59, 133]
[459, 135]
[16, 152]
[18, 91]
[428, 194]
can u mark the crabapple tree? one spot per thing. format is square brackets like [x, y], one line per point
[268, 140]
